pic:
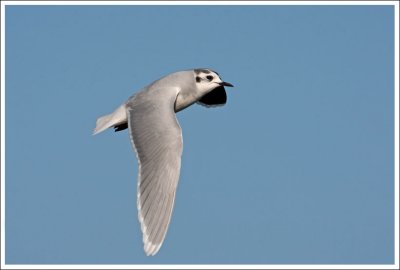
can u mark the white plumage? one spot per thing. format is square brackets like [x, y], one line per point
[157, 139]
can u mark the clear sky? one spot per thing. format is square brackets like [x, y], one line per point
[297, 168]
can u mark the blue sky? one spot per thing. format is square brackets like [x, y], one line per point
[297, 168]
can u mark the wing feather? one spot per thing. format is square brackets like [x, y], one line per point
[157, 138]
[215, 98]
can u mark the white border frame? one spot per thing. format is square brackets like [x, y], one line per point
[199, 266]
[200, 3]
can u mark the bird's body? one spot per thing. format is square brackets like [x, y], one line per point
[157, 138]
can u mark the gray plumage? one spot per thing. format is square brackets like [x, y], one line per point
[157, 139]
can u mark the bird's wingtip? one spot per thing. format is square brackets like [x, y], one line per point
[151, 249]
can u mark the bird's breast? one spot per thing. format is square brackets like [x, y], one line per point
[184, 100]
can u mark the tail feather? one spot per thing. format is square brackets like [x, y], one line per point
[116, 118]
[102, 124]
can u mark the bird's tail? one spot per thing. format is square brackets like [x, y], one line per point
[110, 120]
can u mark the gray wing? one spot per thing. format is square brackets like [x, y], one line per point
[215, 98]
[157, 139]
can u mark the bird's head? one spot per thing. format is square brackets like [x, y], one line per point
[207, 80]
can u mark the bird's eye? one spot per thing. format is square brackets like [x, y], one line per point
[209, 77]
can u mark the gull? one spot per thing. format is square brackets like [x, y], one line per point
[156, 136]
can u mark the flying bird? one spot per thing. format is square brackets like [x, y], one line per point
[156, 136]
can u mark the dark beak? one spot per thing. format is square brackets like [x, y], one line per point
[226, 84]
